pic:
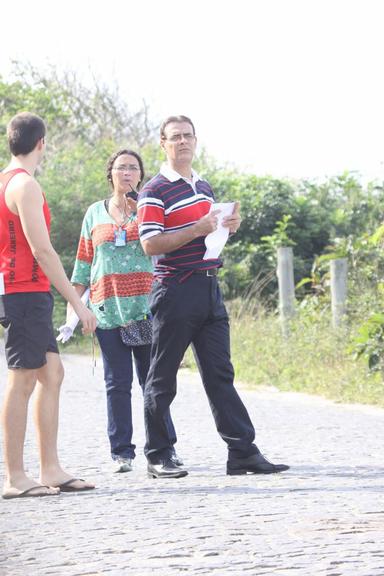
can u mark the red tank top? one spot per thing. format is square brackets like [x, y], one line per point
[21, 270]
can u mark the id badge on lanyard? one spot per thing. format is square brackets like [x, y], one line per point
[120, 237]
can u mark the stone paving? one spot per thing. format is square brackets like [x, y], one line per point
[325, 516]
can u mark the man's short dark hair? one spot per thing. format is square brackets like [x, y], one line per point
[170, 119]
[24, 131]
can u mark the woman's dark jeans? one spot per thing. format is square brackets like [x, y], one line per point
[118, 376]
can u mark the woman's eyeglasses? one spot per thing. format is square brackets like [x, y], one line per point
[128, 168]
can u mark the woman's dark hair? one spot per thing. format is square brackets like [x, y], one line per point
[115, 155]
[24, 131]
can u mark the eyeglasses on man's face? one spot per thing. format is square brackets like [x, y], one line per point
[126, 168]
[188, 136]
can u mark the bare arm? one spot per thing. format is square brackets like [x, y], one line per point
[164, 243]
[79, 289]
[28, 200]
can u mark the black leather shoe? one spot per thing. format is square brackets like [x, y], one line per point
[165, 469]
[254, 464]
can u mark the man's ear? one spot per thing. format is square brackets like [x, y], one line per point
[162, 143]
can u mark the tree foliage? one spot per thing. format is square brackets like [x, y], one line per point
[86, 123]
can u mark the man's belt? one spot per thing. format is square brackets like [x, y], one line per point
[207, 272]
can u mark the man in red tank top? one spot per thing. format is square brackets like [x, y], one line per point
[28, 264]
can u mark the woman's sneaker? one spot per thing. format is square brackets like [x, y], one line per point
[123, 464]
[177, 460]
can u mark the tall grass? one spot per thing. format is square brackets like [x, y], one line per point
[314, 358]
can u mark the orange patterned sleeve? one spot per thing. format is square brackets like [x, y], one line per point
[85, 250]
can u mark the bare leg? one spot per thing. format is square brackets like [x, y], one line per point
[20, 386]
[46, 412]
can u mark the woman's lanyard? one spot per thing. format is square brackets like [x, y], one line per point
[120, 234]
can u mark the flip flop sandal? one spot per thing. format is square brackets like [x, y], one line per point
[30, 493]
[68, 486]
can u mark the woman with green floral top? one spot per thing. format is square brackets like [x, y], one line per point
[112, 263]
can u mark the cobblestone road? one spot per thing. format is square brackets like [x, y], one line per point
[323, 517]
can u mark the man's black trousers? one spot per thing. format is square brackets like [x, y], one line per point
[191, 311]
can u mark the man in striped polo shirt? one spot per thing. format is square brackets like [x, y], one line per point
[174, 219]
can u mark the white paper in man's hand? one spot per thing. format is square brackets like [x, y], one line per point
[215, 241]
[66, 331]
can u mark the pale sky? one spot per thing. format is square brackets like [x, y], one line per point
[282, 87]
